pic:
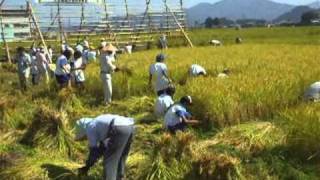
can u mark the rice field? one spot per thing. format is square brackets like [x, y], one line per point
[254, 124]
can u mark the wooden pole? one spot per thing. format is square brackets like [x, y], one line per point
[148, 13]
[107, 15]
[127, 10]
[34, 19]
[82, 14]
[167, 13]
[3, 35]
[62, 35]
[179, 25]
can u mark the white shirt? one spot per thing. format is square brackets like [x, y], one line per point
[171, 118]
[128, 49]
[106, 64]
[85, 43]
[42, 62]
[98, 128]
[61, 62]
[24, 62]
[79, 74]
[162, 104]
[91, 55]
[34, 65]
[313, 93]
[196, 69]
[79, 47]
[222, 75]
[103, 44]
[158, 70]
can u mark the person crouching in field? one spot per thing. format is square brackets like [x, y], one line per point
[23, 63]
[164, 102]
[63, 68]
[107, 68]
[160, 71]
[313, 92]
[197, 70]
[224, 74]
[78, 67]
[109, 136]
[177, 117]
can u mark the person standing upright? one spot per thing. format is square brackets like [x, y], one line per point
[160, 71]
[163, 42]
[63, 68]
[42, 64]
[107, 68]
[24, 64]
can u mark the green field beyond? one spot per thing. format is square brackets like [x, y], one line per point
[254, 125]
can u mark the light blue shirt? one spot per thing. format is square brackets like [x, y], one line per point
[97, 129]
[162, 104]
[196, 69]
[313, 93]
[159, 70]
[24, 63]
[174, 115]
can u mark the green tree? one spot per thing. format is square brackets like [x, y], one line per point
[307, 17]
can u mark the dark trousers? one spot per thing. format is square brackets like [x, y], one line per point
[178, 127]
[117, 150]
[159, 93]
[35, 79]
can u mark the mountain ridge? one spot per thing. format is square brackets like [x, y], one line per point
[237, 9]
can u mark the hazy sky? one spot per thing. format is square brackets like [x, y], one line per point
[295, 2]
[189, 3]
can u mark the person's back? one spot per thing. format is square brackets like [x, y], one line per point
[171, 118]
[24, 62]
[128, 49]
[99, 126]
[79, 64]
[196, 70]
[105, 61]
[163, 41]
[34, 66]
[42, 62]
[91, 55]
[79, 47]
[159, 69]
[61, 62]
[313, 92]
[163, 103]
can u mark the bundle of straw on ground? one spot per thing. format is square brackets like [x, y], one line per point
[49, 130]
[264, 87]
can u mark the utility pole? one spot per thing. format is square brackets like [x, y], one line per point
[127, 10]
[61, 32]
[167, 13]
[107, 16]
[148, 14]
[82, 14]
[3, 35]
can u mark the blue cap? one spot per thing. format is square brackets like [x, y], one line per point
[160, 57]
